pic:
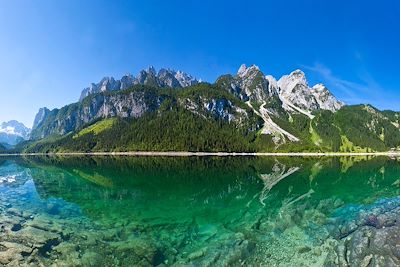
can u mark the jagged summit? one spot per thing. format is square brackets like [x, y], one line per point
[285, 113]
[248, 84]
[319, 87]
[274, 99]
[295, 89]
[149, 76]
[298, 73]
[40, 117]
[295, 92]
[288, 82]
[325, 98]
[13, 132]
[151, 70]
[271, 99]
[244, 70]
[241, 69]
[292, 89]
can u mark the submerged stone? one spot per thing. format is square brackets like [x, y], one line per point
[199, 212]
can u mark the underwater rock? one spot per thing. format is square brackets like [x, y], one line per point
[230, 249]
[369, 246]
[140, 251]
[91, 258]
[13, 252]
[370, 235]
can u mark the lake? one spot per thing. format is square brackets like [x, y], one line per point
[199, 211]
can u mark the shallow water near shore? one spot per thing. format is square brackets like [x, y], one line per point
[199, 211]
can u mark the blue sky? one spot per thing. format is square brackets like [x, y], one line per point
[50, 50]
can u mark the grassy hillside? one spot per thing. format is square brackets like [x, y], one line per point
[173, 128]
[198, 118]
[72, 117]
[359, 128]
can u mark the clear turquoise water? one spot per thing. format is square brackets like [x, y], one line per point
[145, 211]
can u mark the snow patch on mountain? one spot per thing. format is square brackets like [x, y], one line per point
[13, 132]
[9, 130]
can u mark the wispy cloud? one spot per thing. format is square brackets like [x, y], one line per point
[351, 92]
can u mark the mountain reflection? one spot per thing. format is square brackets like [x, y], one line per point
[200, 206]
[136, 185]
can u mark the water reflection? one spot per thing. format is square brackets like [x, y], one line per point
[94, 211]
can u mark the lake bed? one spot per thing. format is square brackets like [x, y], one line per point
[199, 211]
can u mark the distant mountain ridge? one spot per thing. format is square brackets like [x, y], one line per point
[162, 78]
[13, 132]
[260, 112]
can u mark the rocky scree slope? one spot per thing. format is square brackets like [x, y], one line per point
[279, 99]
[284, 115]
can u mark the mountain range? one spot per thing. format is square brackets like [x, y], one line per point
[13, 133]
[164, 78]
[247, 111]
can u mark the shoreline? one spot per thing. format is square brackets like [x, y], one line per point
[207, 154]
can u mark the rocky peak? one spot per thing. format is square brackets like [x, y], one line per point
[40, 117]
[149, 76]
[249, 84]
[247, 71]
[167, 78]
[326, 100]
[242, 70]
[272, 83]
[13, 132]
[298, 74]
[105, 84]
[109, 84]
[253, 82]
[319, 87]
[151, 71]
[127, 81]
[171, 78]
[15, 127]
[288, 82]
[185, 79]
[292, 90]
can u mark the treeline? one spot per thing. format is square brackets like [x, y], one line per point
[351, 129]
[172, 127]
[367, 126]
[2, 148]
[173, 130]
